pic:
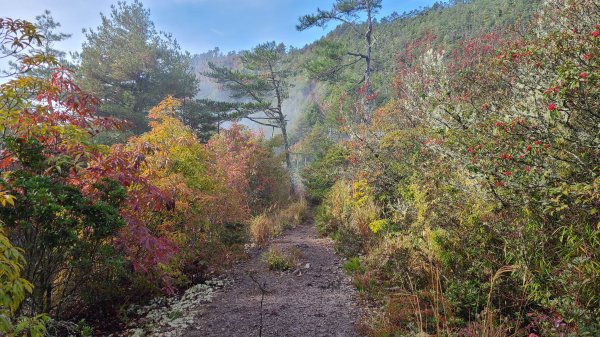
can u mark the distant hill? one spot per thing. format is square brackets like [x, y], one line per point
[449, 22]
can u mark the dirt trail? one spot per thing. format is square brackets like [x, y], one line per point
[318, 301]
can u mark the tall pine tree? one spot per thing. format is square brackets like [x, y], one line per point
[131, 66]
[261, 87]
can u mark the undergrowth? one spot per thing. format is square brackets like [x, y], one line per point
[279, 260]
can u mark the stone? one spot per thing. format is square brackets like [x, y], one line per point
[171, 316]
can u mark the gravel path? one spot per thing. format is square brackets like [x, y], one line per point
[316, 300]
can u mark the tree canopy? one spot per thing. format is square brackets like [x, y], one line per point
[260, 87]
[130, 66]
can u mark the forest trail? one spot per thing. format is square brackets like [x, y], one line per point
[317, 299]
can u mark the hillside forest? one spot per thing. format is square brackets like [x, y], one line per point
[451, 153]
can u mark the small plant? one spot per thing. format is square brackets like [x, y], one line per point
[85, 329]
[352, 266]
[279, 260]
[173, 315]
[366, 283]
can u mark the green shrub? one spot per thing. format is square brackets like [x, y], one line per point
[234, 234]
[322, 173]
[352, 265]
[279, 260]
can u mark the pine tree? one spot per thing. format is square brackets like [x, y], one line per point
[131, 66]
[261, 87]
[349, 12]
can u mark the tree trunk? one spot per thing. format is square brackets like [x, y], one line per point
[369, 39]
[288, 159]
[283, 126]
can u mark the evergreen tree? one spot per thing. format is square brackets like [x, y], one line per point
[260, 86]
[205, 116]
[348, 12]
[131, 66]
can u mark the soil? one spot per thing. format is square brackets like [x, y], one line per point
[317, 299]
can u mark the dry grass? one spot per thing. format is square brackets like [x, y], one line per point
[261, 227]
[429, 311]
[274, 221]
[293, 215]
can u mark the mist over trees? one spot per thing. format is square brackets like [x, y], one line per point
[262, 85]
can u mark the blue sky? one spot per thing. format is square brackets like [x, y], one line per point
[199, 25]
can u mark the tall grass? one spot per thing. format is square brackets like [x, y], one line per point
[273, 221]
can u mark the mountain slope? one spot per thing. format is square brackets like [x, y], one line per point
[448, 22]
